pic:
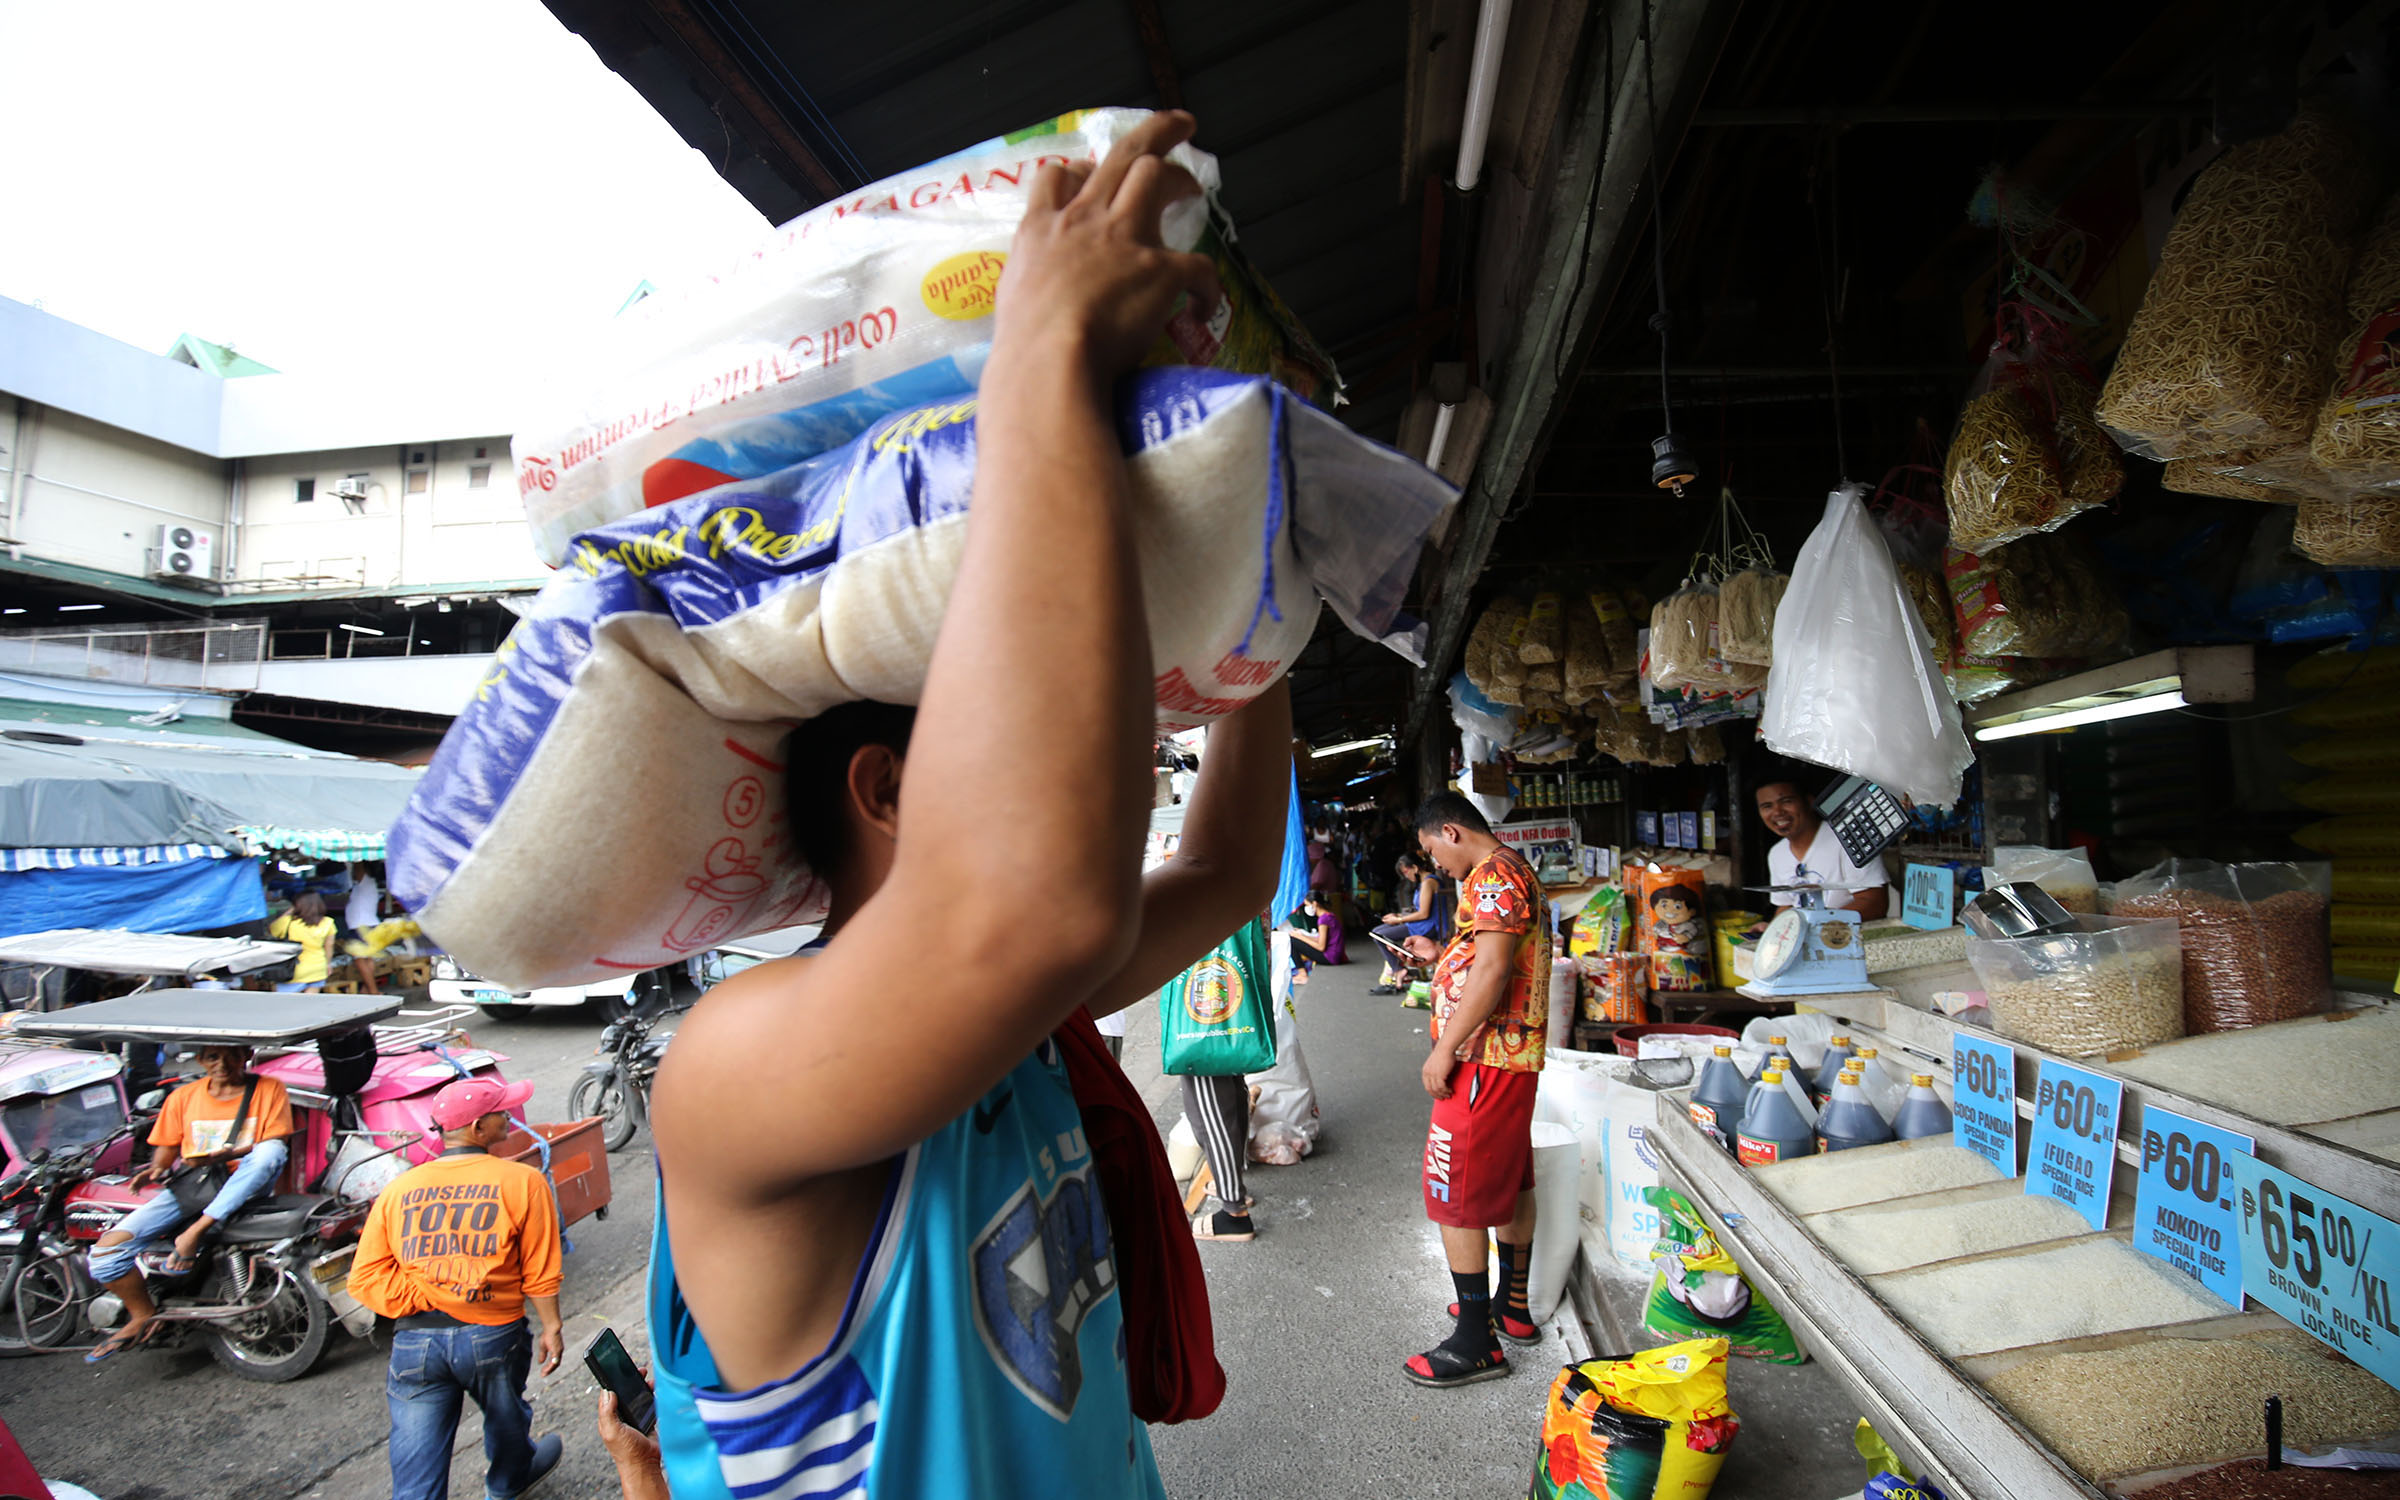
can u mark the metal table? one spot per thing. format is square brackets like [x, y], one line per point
[250, 1018]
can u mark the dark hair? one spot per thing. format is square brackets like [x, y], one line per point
[1322, 898]
[816, 771]
[1450, 807]
[309, 907]
[1408, 862]
[1682, 893]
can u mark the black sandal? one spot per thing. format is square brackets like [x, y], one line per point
[1442, 1367]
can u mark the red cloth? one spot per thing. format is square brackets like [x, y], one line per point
[1479, 1148]
[1171, 1344]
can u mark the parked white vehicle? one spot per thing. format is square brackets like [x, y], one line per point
[608, 999]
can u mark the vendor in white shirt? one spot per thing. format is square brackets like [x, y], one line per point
[1806, 853]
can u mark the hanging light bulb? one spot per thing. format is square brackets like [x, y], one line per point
[1670, 467]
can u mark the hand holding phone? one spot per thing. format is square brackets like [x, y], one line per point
[606, 1358]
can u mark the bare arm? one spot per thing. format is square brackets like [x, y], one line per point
[1225, 869]
[1036, 716]
[1487, 985]
[1427, 894]
[1871, 905]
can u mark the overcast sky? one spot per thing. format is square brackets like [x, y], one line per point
[319, 182]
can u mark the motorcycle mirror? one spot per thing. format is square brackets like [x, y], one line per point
[151, 1099]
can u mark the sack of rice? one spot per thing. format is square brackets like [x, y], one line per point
[2227, 349]
[2027, 456]
[1545, 631]
[1746, 615]
[2357, 437]
[2358, 533]
[876, 301]
[622, 758]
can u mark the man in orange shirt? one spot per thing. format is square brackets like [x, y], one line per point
[197, 1129]
[1491, 990]
[454, 1250]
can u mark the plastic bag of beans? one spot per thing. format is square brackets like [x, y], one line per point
[2256, 945]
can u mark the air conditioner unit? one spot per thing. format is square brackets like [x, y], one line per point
[181, 552]
[352, 488]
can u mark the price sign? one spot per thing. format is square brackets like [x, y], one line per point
[2322, 1262]
[2183, 1205]
[1983, 1104]
[2074, 1153]
[1926, 896]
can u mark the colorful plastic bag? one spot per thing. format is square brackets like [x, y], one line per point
[1700, 1292]
[1215, 1019]
[1645, 1426]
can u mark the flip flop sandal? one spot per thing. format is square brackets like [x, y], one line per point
[1442, 1368]
[177, 1265]
[1224, 1226]
[1507, 1327]
[117, 1344]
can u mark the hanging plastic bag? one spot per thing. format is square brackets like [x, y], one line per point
[1681, 627]
[1645, 1426]
[1618, 631]
[1214, 1018]
[1855, 686]
[1545, 631]
[1699, 1291]
[2027, 456]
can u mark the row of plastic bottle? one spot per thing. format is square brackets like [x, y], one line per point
[1775, 1117]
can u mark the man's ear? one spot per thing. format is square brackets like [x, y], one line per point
[874, 787]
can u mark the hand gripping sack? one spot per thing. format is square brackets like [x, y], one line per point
[878, 300]
[611, 798]
[1215, 1019]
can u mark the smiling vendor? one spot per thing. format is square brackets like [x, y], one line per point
[1806, 853]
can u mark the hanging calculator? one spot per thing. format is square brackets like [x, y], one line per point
[1863, 816]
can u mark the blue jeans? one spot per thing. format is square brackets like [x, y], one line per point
[157, 1220]
[431, 1369]
[295, 987]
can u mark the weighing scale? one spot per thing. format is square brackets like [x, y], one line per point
[1809, 949]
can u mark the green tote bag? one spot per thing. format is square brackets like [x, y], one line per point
[1216, 1018]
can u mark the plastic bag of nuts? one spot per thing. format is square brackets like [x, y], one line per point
[2256, 947]
[2115, 983]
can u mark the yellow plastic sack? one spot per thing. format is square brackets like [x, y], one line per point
[1648, 1426]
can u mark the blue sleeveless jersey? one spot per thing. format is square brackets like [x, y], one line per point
[982, 1350]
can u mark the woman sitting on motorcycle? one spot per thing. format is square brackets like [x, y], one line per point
[227, 1117]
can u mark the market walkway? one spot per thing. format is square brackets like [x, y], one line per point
[1346, 1279]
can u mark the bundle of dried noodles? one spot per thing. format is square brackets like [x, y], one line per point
[2226, 350]
[2358, 533]
[2357, 440]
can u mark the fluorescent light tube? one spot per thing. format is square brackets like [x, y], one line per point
[2099, 713]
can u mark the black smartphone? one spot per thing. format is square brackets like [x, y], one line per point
[606, 1358]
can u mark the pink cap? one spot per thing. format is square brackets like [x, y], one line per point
[463, 1103]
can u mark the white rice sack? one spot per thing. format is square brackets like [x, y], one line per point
[611, 799]
[874, 302]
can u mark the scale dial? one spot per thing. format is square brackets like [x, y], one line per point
[1779, 946]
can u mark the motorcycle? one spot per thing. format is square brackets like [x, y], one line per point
[617, 1087]
[272, 1280]
[257, 1298]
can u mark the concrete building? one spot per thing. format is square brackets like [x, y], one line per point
[337, 553]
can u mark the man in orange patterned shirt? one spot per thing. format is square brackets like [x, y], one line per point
[1491, 992]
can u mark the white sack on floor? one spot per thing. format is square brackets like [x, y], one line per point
[1557, 1175]
[1285, 1124]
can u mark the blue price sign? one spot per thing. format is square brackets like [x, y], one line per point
[2074, 1152]
[1983, 1104]
[2183, 1205]
[1926, 896]
[2322, 1262]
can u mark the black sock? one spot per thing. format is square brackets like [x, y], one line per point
[1473, 1337]
[1516, 1266]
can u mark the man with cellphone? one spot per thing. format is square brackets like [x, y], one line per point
[454, 1251]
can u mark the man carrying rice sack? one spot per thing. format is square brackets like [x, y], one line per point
[896, 1275]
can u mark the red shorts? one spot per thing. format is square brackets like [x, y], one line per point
[1479, 1151]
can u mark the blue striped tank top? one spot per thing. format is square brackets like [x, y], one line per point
[981, 1351]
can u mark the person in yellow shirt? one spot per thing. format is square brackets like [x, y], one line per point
[454, 1250]
[307, 925]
